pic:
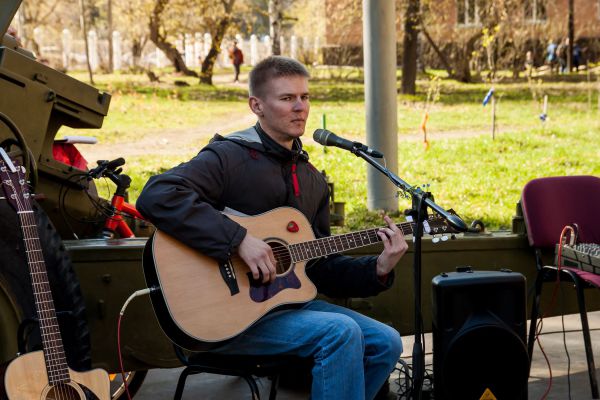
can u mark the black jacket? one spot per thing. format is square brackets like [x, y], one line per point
[249, 173]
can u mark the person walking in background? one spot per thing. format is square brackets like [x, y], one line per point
[237, 58]
[529, 63]
[551, 55]
[576, 56]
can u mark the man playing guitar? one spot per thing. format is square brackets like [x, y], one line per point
[254, 171]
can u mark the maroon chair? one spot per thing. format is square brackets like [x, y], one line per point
[549, 204]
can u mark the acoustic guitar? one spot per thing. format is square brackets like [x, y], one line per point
[43, 374]
[202, 302]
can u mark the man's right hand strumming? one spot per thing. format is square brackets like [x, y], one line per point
[259, 257]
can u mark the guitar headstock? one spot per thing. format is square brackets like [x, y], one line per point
[14, 183]
[438, 225]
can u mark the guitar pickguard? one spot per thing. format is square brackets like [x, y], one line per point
[260, 292]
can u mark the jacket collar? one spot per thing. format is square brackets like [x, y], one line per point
[256, 138]
[274, 148]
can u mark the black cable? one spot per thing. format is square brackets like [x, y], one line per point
[28, 158]
[22, 144]
[101, 208]
[62, 209]
[405, 382]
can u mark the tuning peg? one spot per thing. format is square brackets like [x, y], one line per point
[444, 238]
[453, 236]
[435, 239]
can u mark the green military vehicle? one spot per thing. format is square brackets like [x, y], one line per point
[35, 101]
[92, 274]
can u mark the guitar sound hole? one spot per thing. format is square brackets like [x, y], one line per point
[63, 391]
[282, 256]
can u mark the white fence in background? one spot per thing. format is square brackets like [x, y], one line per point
[69, 53]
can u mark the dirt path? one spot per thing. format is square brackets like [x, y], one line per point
[165, 142]
[177, 141]
[182, 140]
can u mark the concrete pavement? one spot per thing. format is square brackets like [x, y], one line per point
[160, 384]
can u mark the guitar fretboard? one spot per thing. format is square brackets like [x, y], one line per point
[54, 353]
[339, 243]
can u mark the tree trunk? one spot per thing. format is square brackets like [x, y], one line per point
[160, 40]
[463, 69]
[109, 22]
[571, 32]
[215, 48]
[437, 50]
[275, 18]
[409, 54]
[208, 64]
[83, 24]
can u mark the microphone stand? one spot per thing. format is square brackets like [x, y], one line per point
[421, 200]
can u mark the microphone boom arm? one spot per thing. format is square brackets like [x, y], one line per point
[416, 192]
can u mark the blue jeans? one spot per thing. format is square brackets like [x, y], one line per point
[353, 354]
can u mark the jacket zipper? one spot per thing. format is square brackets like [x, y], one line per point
[295, 177]
[295, 181]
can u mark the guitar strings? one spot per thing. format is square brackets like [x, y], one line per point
[335, 241]
[287, 255]
[328, 245]
[314, 248]
[56, 367]
[43, 300]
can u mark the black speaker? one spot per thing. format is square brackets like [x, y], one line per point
[479, 330]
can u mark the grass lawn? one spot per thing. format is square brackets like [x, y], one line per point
[479, 177]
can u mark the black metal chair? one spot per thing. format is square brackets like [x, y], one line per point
[244, 366]
[549, 204]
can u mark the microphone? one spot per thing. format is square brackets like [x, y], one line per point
[328, 138]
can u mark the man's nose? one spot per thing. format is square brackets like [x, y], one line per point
[299, 105]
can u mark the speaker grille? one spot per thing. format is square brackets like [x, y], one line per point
[485, 356]
[479, 335]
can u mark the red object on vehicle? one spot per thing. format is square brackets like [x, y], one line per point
[68, 154]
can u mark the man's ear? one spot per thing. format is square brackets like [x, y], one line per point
[255, 105]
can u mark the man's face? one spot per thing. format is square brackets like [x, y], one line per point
[282, 108]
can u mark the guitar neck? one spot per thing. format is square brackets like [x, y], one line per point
[54, 353]
[312, 249]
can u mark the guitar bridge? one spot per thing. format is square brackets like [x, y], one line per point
[228, 274]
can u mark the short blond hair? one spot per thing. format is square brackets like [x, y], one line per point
[273, 67]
